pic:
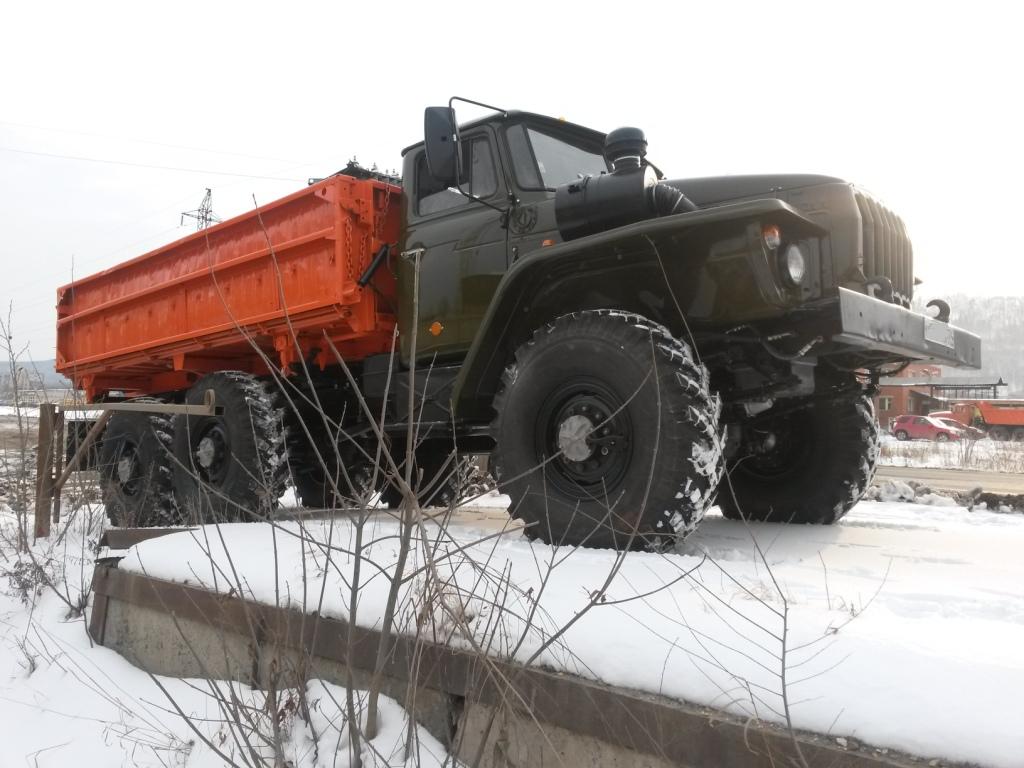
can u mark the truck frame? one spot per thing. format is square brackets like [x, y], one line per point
[531, 289]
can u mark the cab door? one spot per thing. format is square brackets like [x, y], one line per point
[462, 246]
[542, 160]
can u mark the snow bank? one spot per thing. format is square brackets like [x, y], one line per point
[904, 624]
[895, 490]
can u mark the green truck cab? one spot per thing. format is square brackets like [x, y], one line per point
[780, 299]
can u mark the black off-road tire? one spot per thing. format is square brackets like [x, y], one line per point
[140, 492]
[441, 483]
[662, 464]
[320, 483]
[823, 463]
[248, 470]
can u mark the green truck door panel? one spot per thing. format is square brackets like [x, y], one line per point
[464, 254]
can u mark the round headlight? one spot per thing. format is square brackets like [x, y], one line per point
[793, 265]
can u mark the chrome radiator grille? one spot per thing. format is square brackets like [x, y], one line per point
[887, 249]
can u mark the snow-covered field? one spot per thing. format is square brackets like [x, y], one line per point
[986, 455]
[903, 626]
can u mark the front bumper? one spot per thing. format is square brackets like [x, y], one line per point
[873, 324]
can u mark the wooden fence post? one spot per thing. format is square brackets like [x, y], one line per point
[44, 469]
[58, 464]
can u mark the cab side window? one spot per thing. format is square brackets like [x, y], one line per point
[479, 179]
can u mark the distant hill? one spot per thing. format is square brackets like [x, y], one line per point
[48, 373]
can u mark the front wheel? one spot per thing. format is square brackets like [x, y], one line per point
[902, 435]
[606, 433]
[812, 464]
[942, 437]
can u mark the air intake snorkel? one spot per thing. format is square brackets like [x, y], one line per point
[630, 193]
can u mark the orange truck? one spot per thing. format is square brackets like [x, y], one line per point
[999, 419]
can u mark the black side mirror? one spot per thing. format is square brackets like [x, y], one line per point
[440, 134]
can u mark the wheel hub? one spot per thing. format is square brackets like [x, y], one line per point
[572, 438]
[206, 453]
[211, 453]
[588, 429]
[778, 449]
[127, 472]
[124, 469]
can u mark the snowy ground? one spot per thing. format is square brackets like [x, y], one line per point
[66, 702]
[986, 455]
[904, 625]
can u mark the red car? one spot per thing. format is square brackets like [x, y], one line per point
[971, 433]
[924, 428]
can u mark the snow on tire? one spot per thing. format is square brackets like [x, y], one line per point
[606, 433]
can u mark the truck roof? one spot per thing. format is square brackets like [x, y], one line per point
[515, 114]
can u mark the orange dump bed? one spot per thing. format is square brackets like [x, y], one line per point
[1007, 413]
[1004, 412]
[217, 299]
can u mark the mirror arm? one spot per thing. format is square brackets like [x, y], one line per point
[499, 209]
[513, 200]
[453, 99]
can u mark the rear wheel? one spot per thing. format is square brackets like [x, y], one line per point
[232, 465]
[328, 469]
[606, 433]
[135, 469]
[811, 466]
[1018, 435]
[942, 437]
[440, 476]
[999, 433]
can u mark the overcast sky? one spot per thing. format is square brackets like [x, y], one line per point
[918, 102]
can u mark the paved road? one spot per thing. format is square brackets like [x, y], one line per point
[956, 479]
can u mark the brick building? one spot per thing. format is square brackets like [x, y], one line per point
[907, 392]
[920, 388]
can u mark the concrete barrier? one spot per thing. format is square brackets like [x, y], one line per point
[489, 712]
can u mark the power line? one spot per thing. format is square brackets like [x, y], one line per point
[146, 165]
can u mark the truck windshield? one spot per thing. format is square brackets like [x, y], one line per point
[544, 161]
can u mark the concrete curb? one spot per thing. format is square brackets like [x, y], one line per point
[489, 712]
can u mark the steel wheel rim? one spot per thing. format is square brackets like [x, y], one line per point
[211, 453]
[794, 446]
[587, 433]
[127, 472]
